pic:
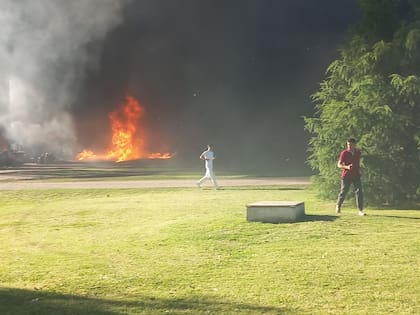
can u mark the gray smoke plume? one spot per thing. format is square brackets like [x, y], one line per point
[45, 48]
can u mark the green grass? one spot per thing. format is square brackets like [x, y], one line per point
[191, 251]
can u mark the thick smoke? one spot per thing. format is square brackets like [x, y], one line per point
[45, 48]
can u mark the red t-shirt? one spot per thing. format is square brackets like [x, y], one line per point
[347, 157]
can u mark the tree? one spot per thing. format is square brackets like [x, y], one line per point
[372, 93]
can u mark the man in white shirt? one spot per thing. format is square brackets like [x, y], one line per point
[208, 157]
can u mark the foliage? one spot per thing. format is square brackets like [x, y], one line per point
[381, 18]
[372, 93]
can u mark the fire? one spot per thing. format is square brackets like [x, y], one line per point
[86, 155]
[160, 155]
[125, 145]
[127, 142]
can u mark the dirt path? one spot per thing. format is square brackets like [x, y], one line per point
[30, 184]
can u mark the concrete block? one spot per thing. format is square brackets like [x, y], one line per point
[275, 211]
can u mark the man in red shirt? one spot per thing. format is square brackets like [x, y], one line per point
[349, 162]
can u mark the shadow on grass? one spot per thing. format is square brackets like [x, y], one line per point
[313, 218]
[402, 206]
[253, 188]
[394, 216]
[19, 301]
[307, 218]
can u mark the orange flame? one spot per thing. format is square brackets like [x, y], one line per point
[127, 141]
[125, 145]
[86, 155]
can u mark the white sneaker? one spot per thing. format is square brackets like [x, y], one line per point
[361, 213]
[337, 209]
[198, 185]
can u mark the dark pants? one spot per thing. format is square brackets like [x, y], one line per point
[345, 186]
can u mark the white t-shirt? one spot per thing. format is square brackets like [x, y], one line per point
[209, 157]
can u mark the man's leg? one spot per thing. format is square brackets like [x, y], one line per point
[202, 179]
[206, 176]
[213, 179]
[345, 186]
[359, 194]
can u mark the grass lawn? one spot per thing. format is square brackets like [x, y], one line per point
[191, 251]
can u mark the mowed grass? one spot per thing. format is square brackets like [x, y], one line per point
[191, 251]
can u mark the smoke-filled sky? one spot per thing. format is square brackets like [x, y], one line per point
[235, 73]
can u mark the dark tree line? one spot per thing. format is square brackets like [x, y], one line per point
[372, 93]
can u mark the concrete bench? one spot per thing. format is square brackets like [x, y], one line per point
[275, 211]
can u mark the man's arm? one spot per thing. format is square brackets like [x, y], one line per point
[340, 164]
